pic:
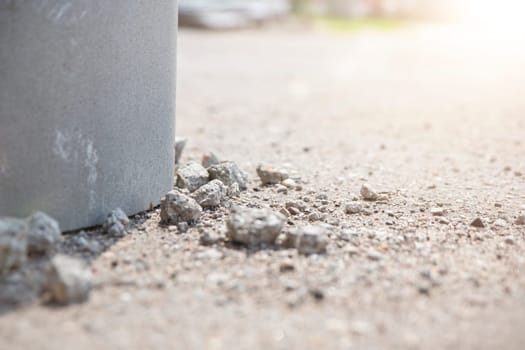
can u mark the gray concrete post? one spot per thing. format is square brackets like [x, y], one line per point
[87, 106]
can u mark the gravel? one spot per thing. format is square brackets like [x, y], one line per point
[13, 243]
[254, 226]
[69, 280]
[177, 207]
[520, 220]
[270, 175]
[116, 223]
[229, 173]
[211, 195]
[191, 176]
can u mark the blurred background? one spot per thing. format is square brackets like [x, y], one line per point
[242, 13]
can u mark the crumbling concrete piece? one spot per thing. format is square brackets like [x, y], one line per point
[368, 193]
[24, 285]
[44, 234]
[177, 207]
[310, 239]
[116, 223]
[13, 243]
[254, 226]
[210, 195]
[69, 280]
[270, 175]
[192, 176]
[229, 173]
[209, 159]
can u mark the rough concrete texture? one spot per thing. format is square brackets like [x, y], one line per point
[86, 107]
[254, 226]
[13, 243]
[69, 280]
[230, 175]
[191, 176]
[177, 207]
[211, 195]
[43, 233]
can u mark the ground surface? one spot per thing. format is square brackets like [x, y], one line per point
[432, 120]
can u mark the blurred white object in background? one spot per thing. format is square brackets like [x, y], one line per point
[228, 14]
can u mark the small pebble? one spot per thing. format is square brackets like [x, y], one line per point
[69, 280]
[270, 175]
[477, 222]
[176, 207]
[353, 208]
[520, 220]
[437, 211]
[374, 255]
[210, 195]
[191, 176]
[368, 193]
[44, 233]
[209, 159]
[116, 223]
[230, 174]
[254, 226]
[13, 244]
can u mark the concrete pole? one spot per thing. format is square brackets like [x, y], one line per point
[87, 106]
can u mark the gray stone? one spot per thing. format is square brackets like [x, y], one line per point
[311, 239]
[211, 195]
[229, 173]
[180, 144]
[116, 223]
[192, 176]
[368, 193]
[13, 243]
[44, 233]
[93, 128]
[209, 159]
[254, 226]
[270, 175]
[69, 280]
[176, 207]
[353, 208]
